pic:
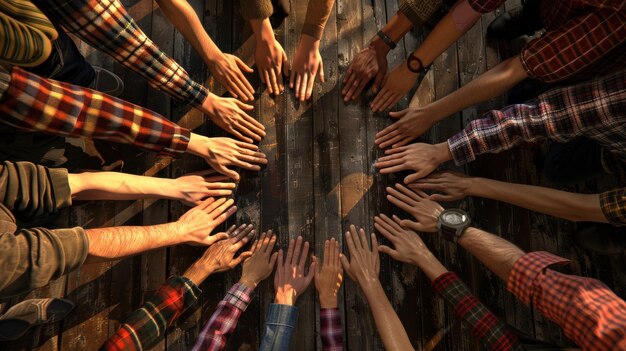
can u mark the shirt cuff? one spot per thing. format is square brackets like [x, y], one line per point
[444, 281]
[239, 296]
[61, 187]
[74, 246]
[459, 146]
[283, 315]
[180, 142]
[613, 205]
[313, 30]
[527, 268]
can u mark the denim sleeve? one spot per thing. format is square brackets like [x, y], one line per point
[281, 320]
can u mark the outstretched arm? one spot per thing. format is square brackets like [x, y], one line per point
[558, 203]
[227, 69]
[190, 189]
[194, 226]
[363, 268]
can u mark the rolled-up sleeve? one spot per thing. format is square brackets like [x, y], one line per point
[255, 9]
[485, 6]
[613, 205]
[31, 258]
[587, 310]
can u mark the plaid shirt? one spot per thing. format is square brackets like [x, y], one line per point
[613, 204]
[584, 38]
[491, 332]
[224, 320]
[106, 26]
[34, 103]
[587, 310]
[146, 325]
[330, 329]
[594, 109]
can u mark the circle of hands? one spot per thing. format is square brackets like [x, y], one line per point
[292, 276]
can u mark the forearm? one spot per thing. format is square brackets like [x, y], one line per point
[119, 242]
[118, 186]
[262, 29]
[186, 21]
[387, 322]
[29, 103]
[494, 252]
[445, 33]
[562, 204]
[490, 84]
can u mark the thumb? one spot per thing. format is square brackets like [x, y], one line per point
[242, 65]
[397, 114]
[418, 227]
[273, 259]
[315, 260]
[413, 177]
[241, 257]
[227, 172]
[217, 237]
[345, 263]
[387, 250]
[244, 106]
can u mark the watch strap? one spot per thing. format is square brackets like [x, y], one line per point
[386, 39]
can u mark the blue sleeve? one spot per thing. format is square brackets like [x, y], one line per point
[281, 320]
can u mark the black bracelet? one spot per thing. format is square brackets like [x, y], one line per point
[419, 61]
[385, 38]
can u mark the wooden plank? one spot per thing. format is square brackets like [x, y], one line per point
[326, 159]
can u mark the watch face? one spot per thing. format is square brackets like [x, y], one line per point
[454, 218]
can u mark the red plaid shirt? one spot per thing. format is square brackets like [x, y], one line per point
[491, 332]
[330, 329]
[583, 38]
[106, 26]
[146, 325]
[34, 103]
[595, 109]
[223, 322]
[587, 310]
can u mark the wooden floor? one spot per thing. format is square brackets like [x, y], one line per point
[319, 179]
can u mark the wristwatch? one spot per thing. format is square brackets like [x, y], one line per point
[452, 223]
[415, 64]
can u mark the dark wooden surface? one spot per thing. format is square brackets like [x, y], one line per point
[319, 180]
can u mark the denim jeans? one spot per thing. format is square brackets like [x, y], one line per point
[279, 325]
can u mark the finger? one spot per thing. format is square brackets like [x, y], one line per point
[389, 163]
[418, 227]
[363, 239]
[236, 91]
[292, 78]
[400, 204]
[227, 172]
[274, 259]
[245, 239]
[309, 86]
[241, 257]
[231, 230]
[217, 237]
[389, 251]
[319, 267]
[274, 81]
[415, 176]
[395, 142]
[378, 81]
[350, 243]
[296, 252]
[359, 89]
[242, 65]
[245, 145]
[398, 114]
[441, 197]
[256, 123]
[259, 244]
[321, 71]
[303, 85]
[251, 130]
[353, 89]
[395, 150]
[392, 100]
[345, 264]
[347, 84]
[303, 256]
[279, 81]
[326, 253]
[288, 259]
[382, 96]
[310, 274]
[224, 216]
[387, 133]
[393, 169]
[298, 80]
[213, 205]
[270, 247]
[400, 196]
[396, 223]
[254, 247]
[416, 195]
[246, 165]
[218, 210]
[336, 262]
[206, 203]
[268, 81]
[355, 237]
[403, 142]
[384, 229]
[286, 67]
[280, 262]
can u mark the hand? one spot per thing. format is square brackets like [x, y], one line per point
[412, 123]
[270, 58]
[227, 71]
[417, 204]
[408, 246]
[261, 264]
[419, 157]
[222, 152]
[289, 280]
[197, 224]
[364, 264]
[369, 63]
[229, 114]
[329, 276]
[306, 65]
[192, 189]
[220, 256]
[397, 84]
[454, 185]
